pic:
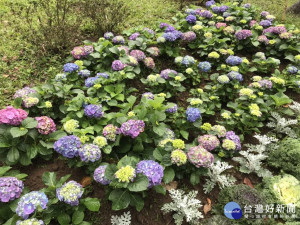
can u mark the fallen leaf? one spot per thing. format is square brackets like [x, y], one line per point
[286, 106]
[172, 185]
[248, 182]
[86, 181]
[207, 206]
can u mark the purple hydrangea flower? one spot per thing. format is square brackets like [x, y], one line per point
[132, 128]
[24, 92]
[188, 60]
[191, 19]
[233, 75]
[152, 170]
[117, 65]
[118, 40]
[99, 175]
[166, 73]
[68, 146]
[29, 202]
[172, 109]
[45, 125]
[125, 48]
[263, 39]
[216, 9]
[70, 67]
[210, 3]
[200, 157]
[193, 114]
[149, 63]
[134, 36]
[275, 30]
[204, 66]
[154, 51]
[88, 49]
[90, 82]
[105, 75]
[223, 8]
[89, 153]
[150, 31]
[264, 13]
[252, 22]
[190, 11]
[170, 36]
[78, 52]
[234, 60]
[247, 5]
[235, 138]
[243, 34]
[110, 132]
[108, 35]
[93, 111]
[138, 54]
[10, 188]
[292, 69]
[163, 25]
[12, 116]
[70, 193]
[188, 36]
[170, 29]
[266, 83]
[206, 14]
[148, 95]
[265, 23]
[84, 73]
[209, 142]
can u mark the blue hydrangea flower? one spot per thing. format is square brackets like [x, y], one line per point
[68, 146]
[191, 19]
[89, 153]
[190, 11]
[148, 95]
[10, 188]
[90, 82]
[204, 66]
[233, 75]
[70, 67]
[210, 3]
[93, 111]
[84, 73]
[32, 221]
[169, 36]
[105, 75]
[70, 193]
[265, 23]
[188, 60]
[29, 202]
[60, 77]
[193, 114]
[108, 35]
[99, 175]
[292, 69]
[172, 109]
[151, 169]
[234, 60]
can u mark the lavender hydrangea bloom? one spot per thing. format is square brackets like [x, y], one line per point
[292, 69]
[68, 146]
[247, 5]
[105, 75]
[233, 75]
[93, 111]
[45, 125]
[191, 19]
[275, 30]
[118, 40]
[265, 23]
[148, 95]
[10, 188]
[32, 221]
[234, 60]
[193, 114]
[233, 137]
[263, 39]
[117, 65]
[190, 11]
[70, 67]
[170, 29]
[209, 142]
[216, 9]
[149, 63]
[210, 3]
[110, 132]
[132, 128]
[99, 175]
[172, 109]
[188, 60]
[134, 36]
[138, 54]
[84, 73]
[169, 134]
[204, 66]
[163, 25]
[243, 34]
[78, 52]
[264, 13]
[88, 49]
[266, 84]
[206, 14]
[70, 193]
[90, 82]
[152, 170]
[170, 36]
[108, 35]
[188, 36]
[24, 92]
[165, 73]
[29, 202]
[200, 157]
[150, 31]
[89, 153]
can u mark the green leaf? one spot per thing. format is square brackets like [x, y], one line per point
[77, 217]
[64, 219]
[25, 160]
[184, 134]
[169, 175]
[18, 132]
[157, 155]
[13, 155]
[63, 180]
[160, 189]
[281, 99]
[32, 152]
[17, 103]
[49, 179]
[93, 204]
[57, 135]
[195, 178]
[4, 169]
[120, 199]
[12, 221]
[110, 171]
[140, 183]
[29, 123]
[137, 201]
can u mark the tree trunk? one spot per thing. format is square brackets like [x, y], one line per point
[295, 8]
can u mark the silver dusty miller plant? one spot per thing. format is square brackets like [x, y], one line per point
[185, 206]
[295, 107]
[253, 157]
[124, 219]
[282, 125]
[215, 177]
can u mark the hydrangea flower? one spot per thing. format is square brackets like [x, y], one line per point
[234, 60]
[10, 188]
[264, 13]
[125, 174]
[100, 141]
[188, 36]
[214, 55]
[219, 130]
[178, 144]
[154, 51]
[32, 221]
[88, 49]
[70, 67]
[148, 95]
[29, 202]
[60, 77]
[132, 128]
[263, 39]
[275, 30]
[169, 134]
[210, 3]
[108, 35]
[204, 66]
[45, 125]
[228, 145]
[206, 14]
[209, 142]
[166, 73]
[193, 114]
[68, 146]
[219, 25]
[292, 69]
[70, 193]
[12, 116]
[191, 19]
[28, 102]
[172, 109]
[89, 153]
[190, 11]
[138, 54]
[84, 73]
[71, 125]
[243, 34]
[93, 111]
[178, 157]
[118, 40]
[150, 31]
[149, 62]
[152, 170]
[223, 79]
[99, 175]
[233, 75]
[230, 135]
[117, 65]
[24, 92]
[246, 92]
[78, 52]
[285, 35]
[188, 60]
[110, 132]
[90, 82]
[134, 36]
[161, 39]
[254, 110]
[200, 157]
[132, 61]
[265, 23]
[228, 30]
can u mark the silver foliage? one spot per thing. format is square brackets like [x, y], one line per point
[124, 219]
